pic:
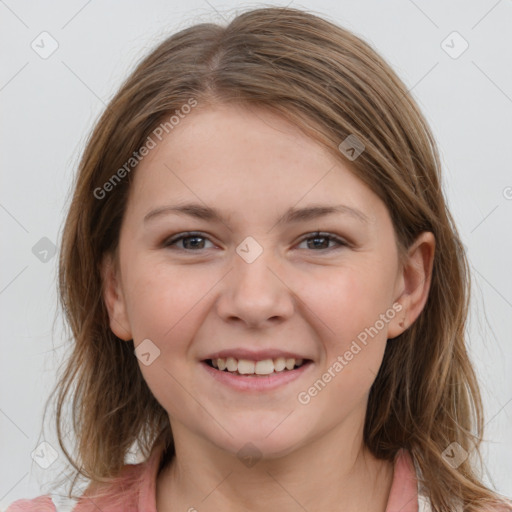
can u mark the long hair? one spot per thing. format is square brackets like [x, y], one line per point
[331, 84]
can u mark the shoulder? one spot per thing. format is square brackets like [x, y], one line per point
[121, 493]
[408, 477]
[133, 490]
[39, 504]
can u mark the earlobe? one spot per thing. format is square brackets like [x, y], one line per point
[400, 322]
[415, 283]
[114, 299]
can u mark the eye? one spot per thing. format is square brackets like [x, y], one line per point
[190, 241]
[320, 240]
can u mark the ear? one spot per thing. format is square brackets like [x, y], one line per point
[413, 283]
[114, 298]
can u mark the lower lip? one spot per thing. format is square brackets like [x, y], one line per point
[257, 382]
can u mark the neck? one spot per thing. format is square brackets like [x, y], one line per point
[324, 475]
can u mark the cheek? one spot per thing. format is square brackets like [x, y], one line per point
[349, 299]
[163, 300]
[165, 304]
[350, 306]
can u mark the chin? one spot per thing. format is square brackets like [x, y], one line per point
[260, 440]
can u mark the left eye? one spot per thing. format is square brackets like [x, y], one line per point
[192, 241]
[322, 239]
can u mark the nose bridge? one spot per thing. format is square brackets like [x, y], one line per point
[253, 280]
[253, 292]
[255, 276]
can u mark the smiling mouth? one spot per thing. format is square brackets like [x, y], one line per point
[247, 368]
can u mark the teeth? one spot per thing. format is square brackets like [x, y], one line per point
[264, 367]
[244, 366]
[231, 364]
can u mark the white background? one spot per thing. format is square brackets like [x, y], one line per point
[49, 106]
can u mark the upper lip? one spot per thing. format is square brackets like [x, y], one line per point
[253, 355]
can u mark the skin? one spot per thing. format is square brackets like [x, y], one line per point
[313, 299]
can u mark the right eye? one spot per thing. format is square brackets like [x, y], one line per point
[189, 239]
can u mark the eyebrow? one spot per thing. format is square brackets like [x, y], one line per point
[291, 216]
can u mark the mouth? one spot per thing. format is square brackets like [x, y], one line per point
[262, 368]
[255, 377]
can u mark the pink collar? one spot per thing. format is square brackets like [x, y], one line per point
[403, 495]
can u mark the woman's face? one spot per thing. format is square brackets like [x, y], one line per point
[255, 277]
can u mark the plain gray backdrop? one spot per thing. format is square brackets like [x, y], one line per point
[62, 61]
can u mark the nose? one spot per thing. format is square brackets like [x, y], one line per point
[255, 293]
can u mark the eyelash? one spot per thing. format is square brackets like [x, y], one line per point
[169, 242]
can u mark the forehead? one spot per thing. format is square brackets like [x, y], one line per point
[244, 158]
[234, 132]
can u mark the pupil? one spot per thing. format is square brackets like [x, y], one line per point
[194, 245]
[319, 238]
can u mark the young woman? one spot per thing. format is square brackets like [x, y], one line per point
[266, 290]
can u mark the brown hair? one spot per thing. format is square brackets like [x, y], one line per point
[331, 84]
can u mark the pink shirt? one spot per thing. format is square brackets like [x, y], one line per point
[136, 491]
